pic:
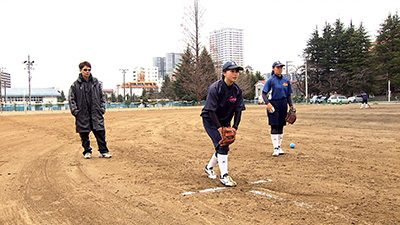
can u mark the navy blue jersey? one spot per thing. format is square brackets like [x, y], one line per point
[281, 87]
[223, 100]
[364, 96]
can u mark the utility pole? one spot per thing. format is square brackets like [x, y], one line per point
[123, 72]
[29, 67]
[1, 83]
[5, 89]
[306, 83]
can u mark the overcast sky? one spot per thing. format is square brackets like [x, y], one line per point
[115, 34]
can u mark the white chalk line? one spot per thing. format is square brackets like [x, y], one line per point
[325, 210]
[300, 204]
[220, 188]
[203, 191]
[273, 196]
[261, 181]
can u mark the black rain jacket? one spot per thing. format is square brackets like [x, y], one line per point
[87, 103]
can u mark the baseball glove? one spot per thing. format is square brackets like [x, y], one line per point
[291, 115]
[228, 136]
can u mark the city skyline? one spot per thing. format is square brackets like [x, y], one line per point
[123, 34]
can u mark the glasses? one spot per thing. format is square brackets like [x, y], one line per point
[86, 70]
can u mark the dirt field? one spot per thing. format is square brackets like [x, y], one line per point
[345, 169]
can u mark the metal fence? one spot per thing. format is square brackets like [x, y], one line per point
[65, 106]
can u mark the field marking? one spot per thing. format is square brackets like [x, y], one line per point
[204, 191]
[266, 194]
[220, 188]
[261, 181]
[325, 210]
[300, 204]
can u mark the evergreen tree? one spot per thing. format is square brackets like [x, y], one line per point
[387, 54]
[183, 74]
[338, 60]
[120, 98]
[358, 61]
[167, 90]
[62, 97]
[113, 98]
[207, 74]
[313, 55]
[152, 94]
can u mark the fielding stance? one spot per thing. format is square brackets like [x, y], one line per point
[277, 101]
[88, 104]
[224, 100]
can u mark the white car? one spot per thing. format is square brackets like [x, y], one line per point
[338, 99]
[317, 99]
[355, 99]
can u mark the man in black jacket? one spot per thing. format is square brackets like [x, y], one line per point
[88, 105]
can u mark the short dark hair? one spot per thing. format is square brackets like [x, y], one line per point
[83, 64]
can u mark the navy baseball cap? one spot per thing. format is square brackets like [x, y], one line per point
[277, 63]
[231, 65]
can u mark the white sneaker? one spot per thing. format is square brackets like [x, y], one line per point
[88, 155]
[227, 181]
[105, 155]
[280, 151]
[210, 172]
[276, 152]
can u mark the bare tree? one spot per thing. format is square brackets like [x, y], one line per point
[199, 78]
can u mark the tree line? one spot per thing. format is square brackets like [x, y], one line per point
[345, 59]
[339, 59]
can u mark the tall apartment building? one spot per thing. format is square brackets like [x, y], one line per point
[171, 62]
[167, 64]
[159, 62]
[226, 44]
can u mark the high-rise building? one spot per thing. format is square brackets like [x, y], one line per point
[171, 62]
[159, 62]
[225, 45]
[166, 65]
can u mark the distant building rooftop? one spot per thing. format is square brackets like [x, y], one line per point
[35, 92]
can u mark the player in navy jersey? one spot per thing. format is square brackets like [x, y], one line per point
[277, 94]
[224, 101]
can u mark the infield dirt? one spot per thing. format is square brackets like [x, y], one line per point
[345, 169]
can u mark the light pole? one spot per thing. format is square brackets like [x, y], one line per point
[306, 77]
[123, 72]
[306, 83]
[1, 83]
[29, 67]
[5, 89]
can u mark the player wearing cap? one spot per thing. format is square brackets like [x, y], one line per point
[224, 100]
[277, 94]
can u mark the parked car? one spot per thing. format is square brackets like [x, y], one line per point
[355, 99]
[317, 99]
[338, 99]
[313, 100]
[322, 99]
